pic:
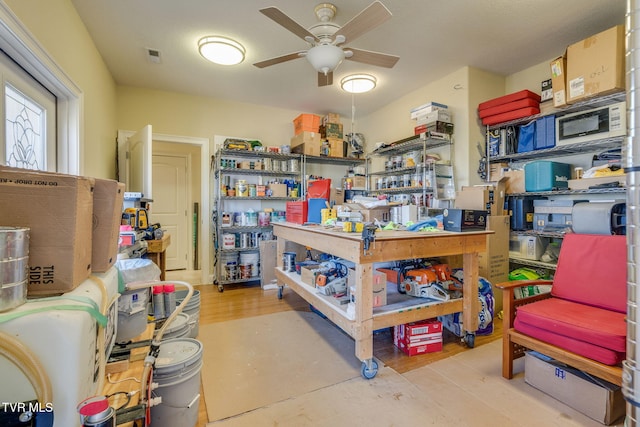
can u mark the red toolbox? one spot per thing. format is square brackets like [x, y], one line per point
[296, 212]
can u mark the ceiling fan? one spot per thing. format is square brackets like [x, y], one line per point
[326, 38]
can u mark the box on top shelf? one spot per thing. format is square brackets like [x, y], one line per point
[330, 118]
[306, 122]
[331, 130]
[510, 115]
[427, 108]
[432, 117]
[596, 65]
[559, 80]
[509, 106]
[505, 99]
[546, 90]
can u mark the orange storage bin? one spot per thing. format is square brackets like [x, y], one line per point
[306, 122]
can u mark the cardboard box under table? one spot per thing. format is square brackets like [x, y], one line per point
[58, 209]
[596, 398]
[418, 337]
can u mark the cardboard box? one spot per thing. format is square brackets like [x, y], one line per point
[420, 337]
[336, 147]
[310, 149]
[584, 183]
[108, 196]
[58, 209]
[514, 181]
[559, 80]
[379, 287]
[332, 130]
[331, 118]
[464, 219]
[381, 213]
[482, 197]
[337, 196]
[306, 123]
[308, 274]
[493, 264]
[596, 65]
[278, 190]
[546, 90]
[307, 138]
[597, 399]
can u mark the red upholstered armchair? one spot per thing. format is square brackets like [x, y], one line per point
[582, 321]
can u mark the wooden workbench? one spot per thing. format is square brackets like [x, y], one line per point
[156, 252]
[387, 246]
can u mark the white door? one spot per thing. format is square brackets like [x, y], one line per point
[169, 207]
[134, 160]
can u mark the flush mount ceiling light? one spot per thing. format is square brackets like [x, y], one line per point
[358, 83]
[221, 50]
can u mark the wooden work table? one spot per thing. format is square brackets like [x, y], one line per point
[156, 252]
[387, 246]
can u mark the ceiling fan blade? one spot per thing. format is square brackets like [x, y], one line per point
[279, 59]
[279, 17]
[373, 58]
[325, 80]
[375, 14]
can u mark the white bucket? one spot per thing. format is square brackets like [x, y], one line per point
[252, 258]
[132, 314]
[177, 372]
[192, 309]
[179, 328]
[228, 241]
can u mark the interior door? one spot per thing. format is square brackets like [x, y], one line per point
[135, 160]
[170, 208]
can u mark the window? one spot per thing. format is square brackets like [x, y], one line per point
[29, 125]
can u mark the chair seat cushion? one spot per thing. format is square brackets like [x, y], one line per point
[567, 324]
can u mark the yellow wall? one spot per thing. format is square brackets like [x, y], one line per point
[59, 30]
[196, 116]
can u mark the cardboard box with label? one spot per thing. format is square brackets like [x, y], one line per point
[493, 264]
[483, 197]
[379, 287]
[58, 209]
[306, 143]
[559, 80]
[599, 400]
[596, 65]
[108, 196]
[381, 213]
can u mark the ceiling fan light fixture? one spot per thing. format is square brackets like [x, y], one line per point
[325, 57]
[221, 50]
[358, 83]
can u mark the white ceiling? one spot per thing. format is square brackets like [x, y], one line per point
[431, 37]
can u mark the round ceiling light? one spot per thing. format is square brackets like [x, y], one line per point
[221, 50]
[358, 83]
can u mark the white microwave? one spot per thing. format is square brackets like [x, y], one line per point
[598, 123]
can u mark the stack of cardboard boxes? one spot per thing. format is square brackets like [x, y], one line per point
[318, 136]
[74, 224]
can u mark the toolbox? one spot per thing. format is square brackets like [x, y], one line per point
[521, 212]
[549, 215]
[545, 175]
[604, 217]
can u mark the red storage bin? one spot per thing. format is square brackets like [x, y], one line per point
[319, 189]
[296, 212]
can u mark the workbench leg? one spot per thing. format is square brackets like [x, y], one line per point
[280, 249]
[470, 304]
[364, 314]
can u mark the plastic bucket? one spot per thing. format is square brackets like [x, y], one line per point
[179, 328]
[252, 259]
[132, 314]
[177, 372]
[192, 309]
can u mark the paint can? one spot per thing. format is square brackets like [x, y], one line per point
[289, 261]
[177, 372]
[96, 412]
[228, 241]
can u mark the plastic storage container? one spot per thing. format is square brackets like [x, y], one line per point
[545, 175]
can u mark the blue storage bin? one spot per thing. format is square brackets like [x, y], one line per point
[526, 137]
[545, 136]
[545, 175]
[314, 210]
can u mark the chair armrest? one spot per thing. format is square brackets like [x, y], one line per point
[510, 304]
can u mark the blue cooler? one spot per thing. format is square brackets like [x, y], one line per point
[545, 175]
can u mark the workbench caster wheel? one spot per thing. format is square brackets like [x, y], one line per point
[470, 339]
[280, 290]
[220, 287]
[369, 369]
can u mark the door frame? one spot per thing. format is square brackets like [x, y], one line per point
[206, 276]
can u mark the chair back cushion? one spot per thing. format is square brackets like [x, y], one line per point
[592, 269]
